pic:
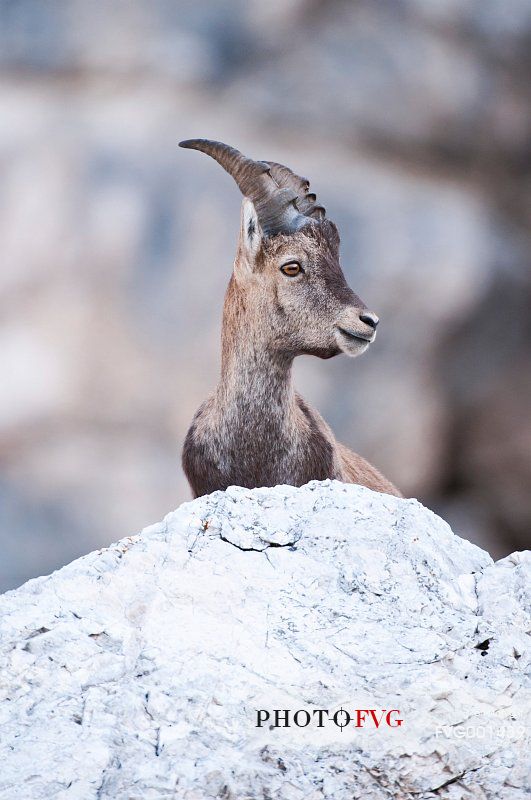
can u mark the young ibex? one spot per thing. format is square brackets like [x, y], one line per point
[287, 296]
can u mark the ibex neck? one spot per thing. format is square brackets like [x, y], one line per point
[254, 375]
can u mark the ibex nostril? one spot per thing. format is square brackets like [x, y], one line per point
[369, 319]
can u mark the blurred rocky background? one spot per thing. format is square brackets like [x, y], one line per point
[413, 121]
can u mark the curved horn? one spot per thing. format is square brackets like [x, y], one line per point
[281, 198]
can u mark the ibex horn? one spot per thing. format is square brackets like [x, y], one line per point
[282, 199]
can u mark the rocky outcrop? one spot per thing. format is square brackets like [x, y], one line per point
[139, 670]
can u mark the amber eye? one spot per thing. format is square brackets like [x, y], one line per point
[291, 269]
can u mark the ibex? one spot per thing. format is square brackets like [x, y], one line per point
[287, 296]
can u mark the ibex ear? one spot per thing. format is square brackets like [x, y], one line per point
[250, 235]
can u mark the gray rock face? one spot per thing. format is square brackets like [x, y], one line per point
[137, 671]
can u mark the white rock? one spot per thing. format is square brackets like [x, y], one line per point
[137, 671]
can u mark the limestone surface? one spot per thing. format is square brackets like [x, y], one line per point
[141, 671]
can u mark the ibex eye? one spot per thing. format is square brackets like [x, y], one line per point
[291, 269]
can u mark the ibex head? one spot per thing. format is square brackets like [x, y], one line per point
[288, 261]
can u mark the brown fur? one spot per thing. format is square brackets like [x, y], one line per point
[255, 430]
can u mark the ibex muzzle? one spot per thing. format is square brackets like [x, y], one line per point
[287, 297]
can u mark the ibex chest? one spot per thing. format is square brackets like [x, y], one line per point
[251, 447]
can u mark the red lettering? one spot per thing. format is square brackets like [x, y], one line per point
[397, 723]
[359, 719]
[377, 722]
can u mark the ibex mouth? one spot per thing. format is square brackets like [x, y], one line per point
[359, 336]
